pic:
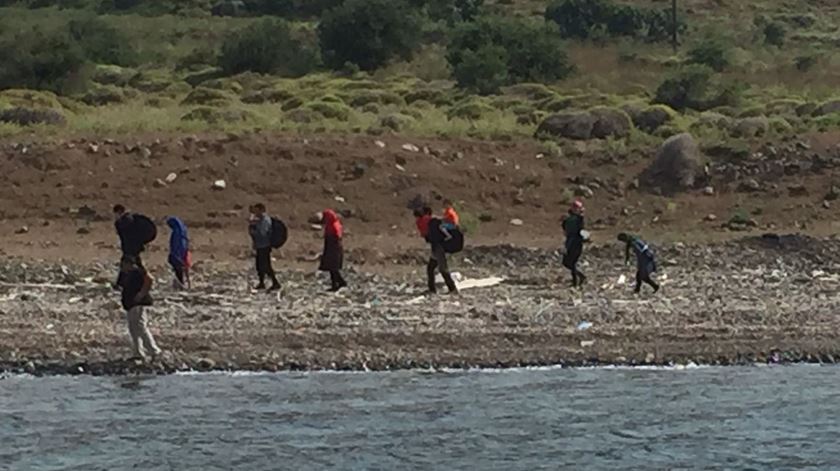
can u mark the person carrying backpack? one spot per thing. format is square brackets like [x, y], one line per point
[573, 227]
[260, 229]
[180, 258]
[645, 260]
[332, 259]
[433, 231]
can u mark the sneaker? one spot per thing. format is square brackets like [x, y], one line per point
[274, 287]
[260, 286]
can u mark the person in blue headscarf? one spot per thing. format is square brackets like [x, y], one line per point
[179, 251]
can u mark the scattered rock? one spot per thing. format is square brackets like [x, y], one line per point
[410, 148]
[219, 185]
[709, 191]
[93, 148]
[145, 152]
[171, 178]
[379, 144]
[516, 222]
[610, 122]
[711, 217]
[22, 230]
[750, 185]
[833, 193]
[584, 191]
[652, 118]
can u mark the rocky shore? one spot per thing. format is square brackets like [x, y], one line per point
[760, 299]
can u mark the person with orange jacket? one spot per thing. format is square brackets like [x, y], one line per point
[433, 230]
[332, 259]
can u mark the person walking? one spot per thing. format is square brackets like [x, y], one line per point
[433, 231]
[180, 257]
[136, 285]
[259, 227]
[332, 259]
[573, 226]
[645, 260]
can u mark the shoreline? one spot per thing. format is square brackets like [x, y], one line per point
[126, 368]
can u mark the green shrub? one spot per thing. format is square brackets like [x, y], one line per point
[484, 70]
[329, 110]
[296, 9]
[496, 51]
[103, 95]
[584, 19]
[469, 109]
[267, 47]
[450, 11]
[102, 43]
[368, 33]
[774, 34]
[39, 60]
[712, 53]
[695, 87]
[207, 97]
[806, 62]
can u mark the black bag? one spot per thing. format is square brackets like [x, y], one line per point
[279, 233]
[143, 228]
[454, 244]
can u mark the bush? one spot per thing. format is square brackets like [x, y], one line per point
[806, 62]
[102, 43]
[712, 53]
[267, 47]
[296, 9]
[774, 34]
[368, 33]
[494, 51]
[582, 19]
[450, 11]
[695, 87]
[38, 60]
[484, 70]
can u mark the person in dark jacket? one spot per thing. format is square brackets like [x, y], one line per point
[433, 230]
[180, 258]
[259, 227]
[332, 259]
[645, 260]
[573, 226]
[136, 285]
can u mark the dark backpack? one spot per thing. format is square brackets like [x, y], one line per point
[279, 233]
[143, 228]
[456, 243]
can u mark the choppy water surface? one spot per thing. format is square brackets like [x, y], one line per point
[708, 418]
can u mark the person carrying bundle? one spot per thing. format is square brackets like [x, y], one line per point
[645, 260]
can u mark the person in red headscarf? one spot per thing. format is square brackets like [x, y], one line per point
[573, 227]
[332, 260]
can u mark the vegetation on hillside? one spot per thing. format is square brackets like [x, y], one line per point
[602, 69]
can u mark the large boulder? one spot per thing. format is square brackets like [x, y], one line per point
[678, 166]
[569, 125]
[610, 122]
